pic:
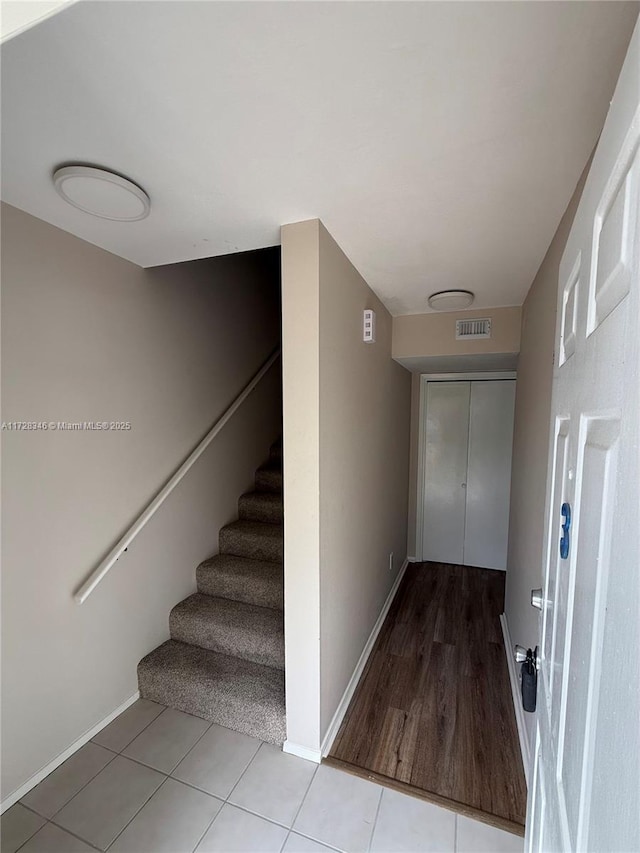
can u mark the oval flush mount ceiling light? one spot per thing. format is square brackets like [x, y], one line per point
[102, 193]
[451, 300]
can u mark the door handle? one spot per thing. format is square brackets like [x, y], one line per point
[528, 660]
[521, 654]
[537, 600]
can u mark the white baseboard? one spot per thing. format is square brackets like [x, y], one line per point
[514, 679]
[75, 746]
[302, 751]
[336, 722]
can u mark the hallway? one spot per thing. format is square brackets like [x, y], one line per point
[433, 712]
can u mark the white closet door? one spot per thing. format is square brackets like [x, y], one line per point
[446, 442]
[489, 473]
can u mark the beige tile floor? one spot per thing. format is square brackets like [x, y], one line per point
[159, 781]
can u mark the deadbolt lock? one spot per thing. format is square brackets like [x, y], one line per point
[537, 599]
[521, 654]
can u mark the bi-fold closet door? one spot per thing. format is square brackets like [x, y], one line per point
[468, 436]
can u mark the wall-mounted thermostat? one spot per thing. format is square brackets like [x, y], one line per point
[369, 326]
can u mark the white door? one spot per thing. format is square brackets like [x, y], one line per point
[486, 530]
[445, 460]
[585, 791]
[468, 439]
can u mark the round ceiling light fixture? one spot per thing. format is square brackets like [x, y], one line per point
[451, 300]
[102, 193]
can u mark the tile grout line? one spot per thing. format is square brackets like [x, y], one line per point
[250, 762]
[295, 817]
[317, 841]
[137, 811]
[375, 820]
[306, 794]
[224, 801]
[304, 834]
[168, 776]
[155, 769]
[455, 833]
[26, 841]
[143, 729]
[179, 761]
[207, 828]
[254, 814]
[236, 806]
[62, 829]
[245, 809]
[113, 841]
[195, 788]
[66, 803]
[188, 751]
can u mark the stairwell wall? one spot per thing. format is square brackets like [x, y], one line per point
[346, 468]
[87, 336]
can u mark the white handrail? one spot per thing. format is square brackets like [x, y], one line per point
[97, 575]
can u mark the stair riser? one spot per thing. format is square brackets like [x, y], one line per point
[228, 639]
[269, 480]
[239, 716]
[253, 546]
[261, 592]
[268, 512]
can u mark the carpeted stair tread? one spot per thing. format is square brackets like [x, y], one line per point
[253, 539]
[261, 506]
[269, 478]
[232, 692]
[253, 581]
[225, 660]
[230, 628]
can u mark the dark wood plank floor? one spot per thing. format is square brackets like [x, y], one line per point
[433, 712]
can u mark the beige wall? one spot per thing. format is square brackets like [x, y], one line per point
[420, 335]
[364, 466]
[301, 430]
[346, 428]
[531, 441]
[426, 344]
[88, 336]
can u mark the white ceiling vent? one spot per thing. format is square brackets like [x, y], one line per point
[473, 330]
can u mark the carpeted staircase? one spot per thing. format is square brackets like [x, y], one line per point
[225, 659]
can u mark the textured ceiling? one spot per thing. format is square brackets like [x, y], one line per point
[438, 142]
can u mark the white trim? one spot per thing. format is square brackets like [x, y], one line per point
[336, 722]
[27, 19]
[425, 378]
[302, 751]
[469, 377]
[422, 413]
[75, 746]
[525, 746]
[154, 505]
